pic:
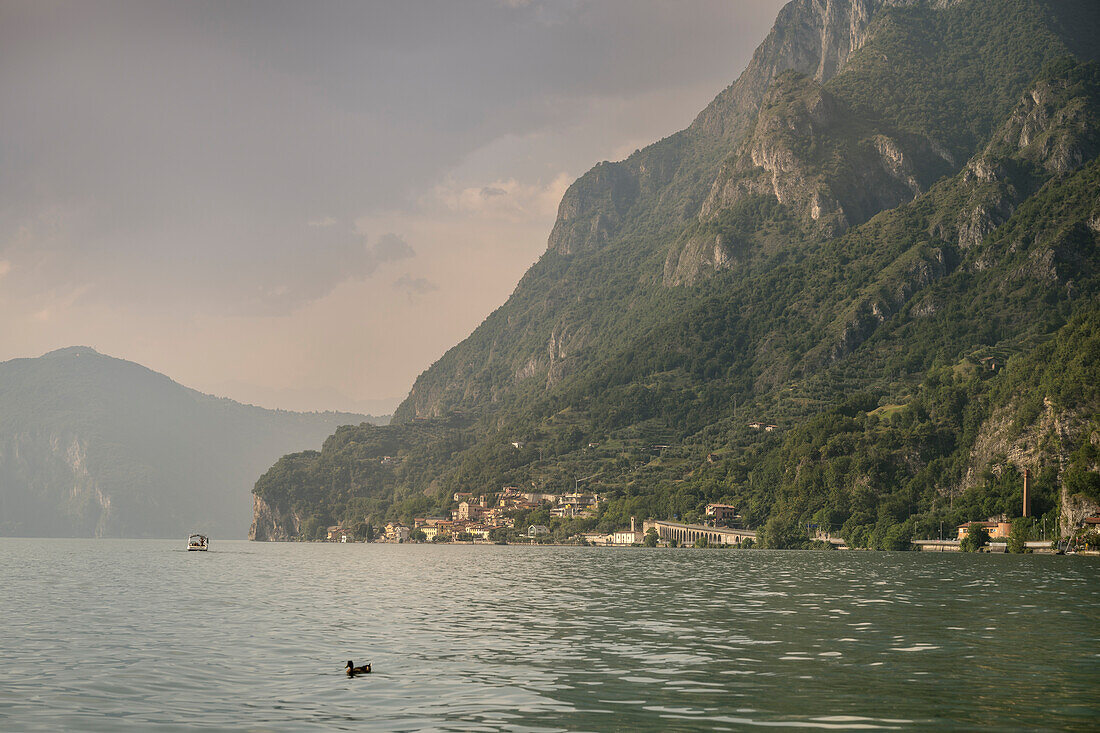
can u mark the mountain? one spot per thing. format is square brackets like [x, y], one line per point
[889, 217]
[96, 446]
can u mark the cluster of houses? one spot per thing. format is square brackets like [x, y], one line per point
[475, 517]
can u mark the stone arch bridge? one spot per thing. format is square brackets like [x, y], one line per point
[689, 533]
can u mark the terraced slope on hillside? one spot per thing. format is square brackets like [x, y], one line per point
[892, 197]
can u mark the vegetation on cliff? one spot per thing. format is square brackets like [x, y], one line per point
[892, 258]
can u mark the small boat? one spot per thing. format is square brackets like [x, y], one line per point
[198, 543]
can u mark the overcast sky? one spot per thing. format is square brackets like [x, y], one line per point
[303, 205]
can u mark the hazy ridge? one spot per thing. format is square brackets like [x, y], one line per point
[96, 446]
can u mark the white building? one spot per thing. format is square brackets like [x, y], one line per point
[630, 536]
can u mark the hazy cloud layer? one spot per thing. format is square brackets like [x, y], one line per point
[305, 197]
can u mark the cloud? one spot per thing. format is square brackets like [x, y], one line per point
[415, 285]
[5, 267]
[224, 193]
[327, 257]
[391, 248]
[506, 200]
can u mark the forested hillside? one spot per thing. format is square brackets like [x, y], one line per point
[881, 239]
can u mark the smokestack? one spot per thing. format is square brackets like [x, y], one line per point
[632, 525]
[1027, 494]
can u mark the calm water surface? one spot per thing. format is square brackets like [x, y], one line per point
[134, 635]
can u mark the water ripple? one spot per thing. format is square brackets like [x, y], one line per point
[133, 635]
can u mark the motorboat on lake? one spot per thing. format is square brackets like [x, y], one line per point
[198, 543]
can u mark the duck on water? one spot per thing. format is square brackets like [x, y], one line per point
[352, 670]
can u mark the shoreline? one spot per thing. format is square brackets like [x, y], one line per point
[917, 548]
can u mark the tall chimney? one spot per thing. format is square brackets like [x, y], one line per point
[1027, 494]
[632, 524]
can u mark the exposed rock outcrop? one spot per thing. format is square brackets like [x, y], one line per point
[1053, 131]
[270, 524]
[1046, 442]
[812, 37]
[830, 168]
[893, 291]
[699, 255]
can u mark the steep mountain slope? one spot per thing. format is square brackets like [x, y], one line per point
[936, 77]
[890, 193]
[96, 446]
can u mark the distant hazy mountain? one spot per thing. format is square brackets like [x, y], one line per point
[96, 446]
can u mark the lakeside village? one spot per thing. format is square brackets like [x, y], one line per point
[491, 519]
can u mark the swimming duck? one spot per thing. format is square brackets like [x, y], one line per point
[353, 670]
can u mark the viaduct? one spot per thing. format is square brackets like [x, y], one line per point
[689, 533]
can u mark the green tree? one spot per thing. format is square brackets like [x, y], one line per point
[896, 537]
[1019, 534]
[313, 528]
[417, 535]
[976, 538]
[783, 532]
[650, 538]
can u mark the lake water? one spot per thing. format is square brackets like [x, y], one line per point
[133, 635]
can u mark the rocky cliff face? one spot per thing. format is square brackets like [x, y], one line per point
[812, 37]
[829, 168]
[665, 184]
[1052, 132]
[1046, 443]
[271, 524]
[1031, 150]
[62, 492]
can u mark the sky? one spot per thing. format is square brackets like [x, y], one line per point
[304, 205]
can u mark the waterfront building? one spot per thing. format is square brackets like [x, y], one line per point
[338, 534]
[537, 530]
[397, 532]
[995, 528]
[627, 537]
[632, 536]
